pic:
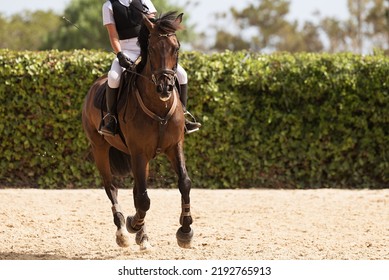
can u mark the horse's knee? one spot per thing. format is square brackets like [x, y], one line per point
[143, 202]
[184, 184]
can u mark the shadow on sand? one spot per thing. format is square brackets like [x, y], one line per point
[27, 256]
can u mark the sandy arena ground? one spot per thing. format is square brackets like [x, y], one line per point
[228, 224]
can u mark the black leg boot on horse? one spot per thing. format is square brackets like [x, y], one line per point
[193, 125]
[110, 121]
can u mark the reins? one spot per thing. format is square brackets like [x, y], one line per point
[140, 75]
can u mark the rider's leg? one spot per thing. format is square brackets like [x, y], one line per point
[190, 126]
[111, 94]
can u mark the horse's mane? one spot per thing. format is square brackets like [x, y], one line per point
[166, 23]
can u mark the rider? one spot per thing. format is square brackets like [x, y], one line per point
[122, 19]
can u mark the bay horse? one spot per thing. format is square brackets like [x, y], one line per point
[152, 122]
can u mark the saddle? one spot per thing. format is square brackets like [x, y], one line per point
[127, 80]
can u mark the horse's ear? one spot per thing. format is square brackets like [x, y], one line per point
[179, 18]
[148, 23]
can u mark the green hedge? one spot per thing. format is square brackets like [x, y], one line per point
[281, 120]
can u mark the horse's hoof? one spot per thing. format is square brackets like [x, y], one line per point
[142, 240]
[129, 227]
[122, 238]
[141, 236]
[145, 246]
[184, 240]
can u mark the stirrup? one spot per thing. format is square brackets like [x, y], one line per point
[103, 125]
[187, 113]
[191, 130]
[195, 125]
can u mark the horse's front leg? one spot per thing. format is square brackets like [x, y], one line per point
[101, 156]
[136, 223]
[185, 232]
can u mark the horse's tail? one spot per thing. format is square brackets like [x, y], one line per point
[120, 162]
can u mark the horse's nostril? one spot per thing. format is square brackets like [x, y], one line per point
[170, 87]
[159, 88]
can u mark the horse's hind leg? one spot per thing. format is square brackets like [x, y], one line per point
[185, 232]
[101, 156]
[136, 224]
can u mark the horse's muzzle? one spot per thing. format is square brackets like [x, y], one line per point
[165, 91]
[164, 81]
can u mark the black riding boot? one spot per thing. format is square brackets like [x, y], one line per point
[110, 120]
[190, 126]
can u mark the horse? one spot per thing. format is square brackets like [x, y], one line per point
[152, 123]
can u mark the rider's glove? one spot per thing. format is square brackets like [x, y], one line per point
[124, 61]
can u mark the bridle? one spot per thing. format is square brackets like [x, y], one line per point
[156, 75]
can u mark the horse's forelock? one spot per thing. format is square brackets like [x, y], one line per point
[167, 23]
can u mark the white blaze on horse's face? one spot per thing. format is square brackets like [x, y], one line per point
[163, 56]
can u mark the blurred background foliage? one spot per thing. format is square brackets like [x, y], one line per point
[262, 26]
[282, 120]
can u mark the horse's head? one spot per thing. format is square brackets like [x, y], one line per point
[162, 52]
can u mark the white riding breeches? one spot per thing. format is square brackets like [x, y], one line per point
[132, 51]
